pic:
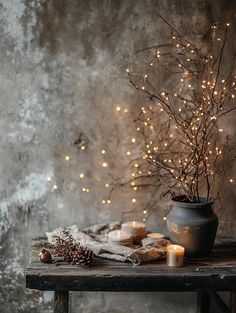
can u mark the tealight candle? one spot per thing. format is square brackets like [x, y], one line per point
[120, 237]
[155, 235]
[175, 255]
[136, 229]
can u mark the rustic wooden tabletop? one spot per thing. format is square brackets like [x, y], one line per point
[216, 273]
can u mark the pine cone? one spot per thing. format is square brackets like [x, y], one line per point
[86, 256]
[74, 253]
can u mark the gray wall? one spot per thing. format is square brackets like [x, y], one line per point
[62, 74]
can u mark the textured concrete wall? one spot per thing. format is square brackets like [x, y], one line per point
[62, 75]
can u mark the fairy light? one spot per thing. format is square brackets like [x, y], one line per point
[133, 200]
[126, 110]
[232, 96]
[55, 187]
[81, 175]
[136, 165]
[107, 185]
[67, 158]
[231, 180]
[103, 201]
[49, 179]
[144, 211]
[164, 218]
[103, 152]
[128, 153]
[82, 148]
[118, 108]
[127, 70]
[133, 140]
[138, 129]
[132, 183]
[135, 188]
[104, 164]
[109, 201]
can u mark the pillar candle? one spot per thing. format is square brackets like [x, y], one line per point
[136, 229]
[175, 255]
[155, 235]
[120, 237]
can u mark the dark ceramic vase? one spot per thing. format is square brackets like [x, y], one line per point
[193, 226]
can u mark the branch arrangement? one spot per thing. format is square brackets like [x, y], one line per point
[190, 91]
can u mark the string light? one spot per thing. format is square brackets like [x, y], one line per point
[128, 153]
[49, 178]
[118, 108]
[104, 164]
[82, 148]
[67, 158]
[81, 175]
[133, 140]
[103, 151]
[55, 187]
[231, 180]
[107, 185]
[133, 200]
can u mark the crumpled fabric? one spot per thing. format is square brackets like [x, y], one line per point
[95, 238]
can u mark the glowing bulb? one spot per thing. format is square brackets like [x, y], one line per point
[107, 185]
[55, 187]
[135, 188]
[104, 164]
[134, 200]
[103, 201]
[231, 180]
[81, 175]
[132, 183]
[128, 153]
[164, 218]
[232, 96]
[228, 24]
[103, 151]
[108, 201]
[82, 147]
[83, 189]
[49, 178]
[127, 70]
[136, 165]
[133, 139]
[144, 211]
[118, 109]
[138, 129]
[67, 158]
[126, 110]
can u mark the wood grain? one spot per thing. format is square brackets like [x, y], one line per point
[218, 272]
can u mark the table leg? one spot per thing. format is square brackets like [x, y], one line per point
[203, 302]
[61, 301]
[233, 302]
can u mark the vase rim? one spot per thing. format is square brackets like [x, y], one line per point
[203, 201]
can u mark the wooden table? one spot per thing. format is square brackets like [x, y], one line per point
[206, 277]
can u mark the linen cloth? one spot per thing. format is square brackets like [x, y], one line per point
[95, 238]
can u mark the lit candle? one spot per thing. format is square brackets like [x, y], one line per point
[136, 229]
[155, 235]
[120, 237]
[175, 255]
